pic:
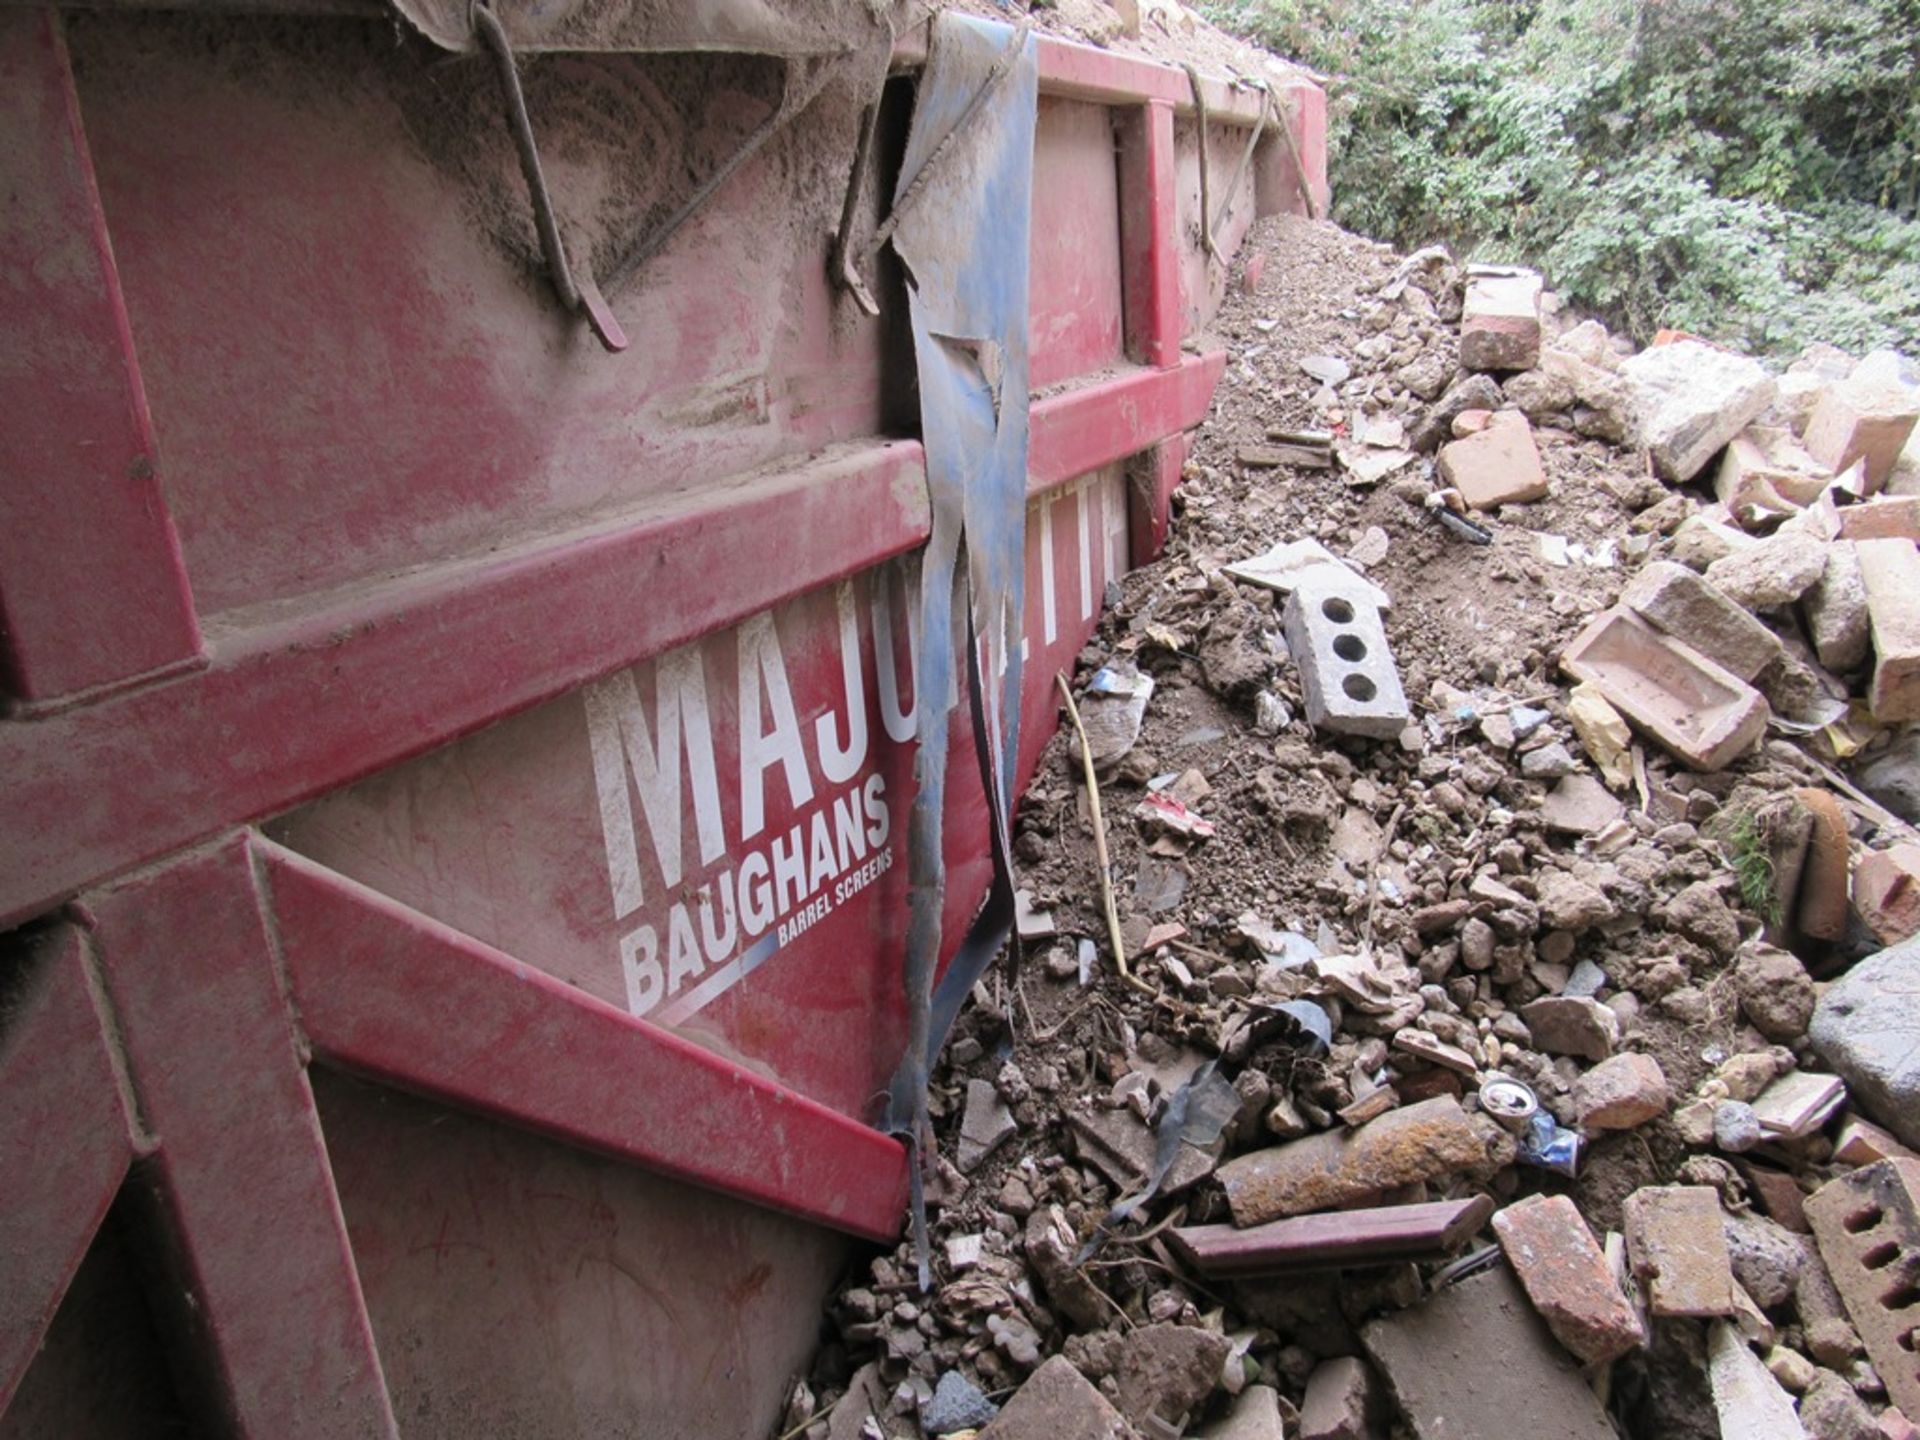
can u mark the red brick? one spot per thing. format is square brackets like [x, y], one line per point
[1566, 1275]
[1864, 1223]
[1700, 711]
[1820, 902]
[1765, 472]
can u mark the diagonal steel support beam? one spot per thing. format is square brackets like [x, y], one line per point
[392, 994]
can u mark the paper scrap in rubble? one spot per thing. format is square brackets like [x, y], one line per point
[1287, 564]
[1366, 465]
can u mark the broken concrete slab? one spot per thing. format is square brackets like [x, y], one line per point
[1688, 399]
[1890, 570]
[1402, 1147]
[1500, 320]
[1347, 675]
[1749, 1401]
[1566, 1276]
[1342, 1239]
[1343, 1401]
[1474, 1362]
[1867, 1027]
[1695, 708]
[1679, 602]
[1498, 465]
[1678, 1249]
[1055, 1402]
[1864, 1223]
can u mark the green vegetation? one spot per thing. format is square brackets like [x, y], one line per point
[1745, 169]
[1750, 851]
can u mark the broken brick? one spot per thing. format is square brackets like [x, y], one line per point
[1864, 1223]
[1342, 1401]
[1566, 1275]
[1836, 610]
[1678, 602]
[1678, 1248]
[1820, 901]
[1886, 892]
[1765, 473]
[1500, 321]
[1891, 570]
[1894, 517]
[1499, 465]
[1861, 419]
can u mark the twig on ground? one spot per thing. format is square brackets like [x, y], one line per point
[1102, 863]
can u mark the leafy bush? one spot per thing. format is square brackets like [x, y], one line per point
[1746, 169]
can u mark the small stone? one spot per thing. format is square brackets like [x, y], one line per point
[957, 1404]
[1620, 1093]
[1736, 1129]
[1341, 1401]
[1775, 991]
[1792, 1369]
[1056, 1403]
[985, 1125]
[1767, 1259]
[1549, 762]
[1570, 904]
[1572, 1025]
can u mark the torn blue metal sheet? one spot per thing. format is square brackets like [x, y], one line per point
[964, 216]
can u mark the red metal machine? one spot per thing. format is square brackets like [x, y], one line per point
[452, 778]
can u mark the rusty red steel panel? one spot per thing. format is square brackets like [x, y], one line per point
[66, 1139]
[1153, 477]
[1153, 312]
[298, 704]
[77, 443]
[375, 984]
[240, 1168]
[1074, 307]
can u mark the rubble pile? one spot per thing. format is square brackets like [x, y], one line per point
[1511, 833]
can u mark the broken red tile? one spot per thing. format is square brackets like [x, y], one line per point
[1779, 1195]
[1341, 1239]
[1864, 1223]
[1566, 1275]
[1886, 892]
[1678, 1248]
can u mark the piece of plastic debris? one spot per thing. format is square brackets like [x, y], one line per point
[1114, 710]
[1163, 812]
[1545, 1144]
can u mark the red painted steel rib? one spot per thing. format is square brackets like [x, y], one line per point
[305, 700]
[1150, 295]
[393, 994]
[92, 590]
[241, 1168]
[65, 1143]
